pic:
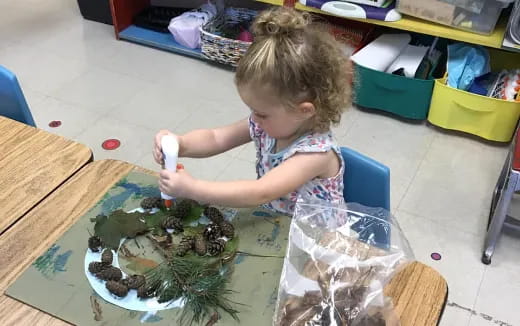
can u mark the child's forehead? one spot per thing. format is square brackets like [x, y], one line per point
[258, 94]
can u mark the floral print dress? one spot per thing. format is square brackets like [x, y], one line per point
[328, 189]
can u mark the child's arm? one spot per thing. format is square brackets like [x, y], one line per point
[285, 178]
[206, 142]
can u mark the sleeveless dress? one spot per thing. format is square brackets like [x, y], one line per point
[327, 189]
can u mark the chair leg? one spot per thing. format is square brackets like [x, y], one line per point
[499, 216]
[498, 189]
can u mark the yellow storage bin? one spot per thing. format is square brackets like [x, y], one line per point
[483, 116]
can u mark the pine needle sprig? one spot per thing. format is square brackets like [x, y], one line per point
[202, 286]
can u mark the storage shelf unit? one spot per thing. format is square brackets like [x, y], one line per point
[418, 25]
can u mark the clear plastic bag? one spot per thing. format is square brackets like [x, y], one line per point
[338, 260]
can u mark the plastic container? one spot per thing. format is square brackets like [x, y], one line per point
[406, 97]
[478, 16]
[486, 117]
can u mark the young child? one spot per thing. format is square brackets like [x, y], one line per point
[295, 80]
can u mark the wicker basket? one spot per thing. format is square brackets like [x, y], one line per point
[220, 49]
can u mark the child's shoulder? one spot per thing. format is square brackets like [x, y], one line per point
[314, 143]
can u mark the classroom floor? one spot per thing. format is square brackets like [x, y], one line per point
[76, 72]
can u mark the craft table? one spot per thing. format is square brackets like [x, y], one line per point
[418, 291]
[33, 163]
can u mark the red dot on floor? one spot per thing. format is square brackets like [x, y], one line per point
[55, 123]
[436, 256]
[111, 144]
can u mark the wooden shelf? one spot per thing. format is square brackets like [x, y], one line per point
[272, 2]
[418, 25]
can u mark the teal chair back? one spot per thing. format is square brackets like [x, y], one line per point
[367, 182]
[12, 101]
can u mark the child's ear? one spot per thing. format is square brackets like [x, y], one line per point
[307, 109]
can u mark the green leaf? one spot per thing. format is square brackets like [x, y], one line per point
[118, 225]
[155, 220]
[194, 215]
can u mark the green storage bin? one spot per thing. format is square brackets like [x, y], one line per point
[405, 97]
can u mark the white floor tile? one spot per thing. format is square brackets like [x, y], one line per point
[44, 72]
[211, 114]
[460, 251]
[74, 118]
[100, 89]
[90, 42]
[455, 182]
[502, 284]
[454, 316]
[135, 141]
[156, 107]
[399, 145]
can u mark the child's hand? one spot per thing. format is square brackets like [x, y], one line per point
[157, 148]
[176, 184]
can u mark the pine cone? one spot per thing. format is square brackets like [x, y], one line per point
[134, 282]
[94, 242]
[186, 244]
[214, 214]
[228, 230]
[107, 256]
[117, 288]
[183, 208]
[212, 232]
[216, 247]
[96, 267]
[110, 273]
[174, 223]
[151, 202]
[144, 292]
[200, 245]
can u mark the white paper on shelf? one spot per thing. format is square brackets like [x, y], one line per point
[380, 53]
[409, 59]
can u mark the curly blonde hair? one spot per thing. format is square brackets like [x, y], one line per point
[301, 62]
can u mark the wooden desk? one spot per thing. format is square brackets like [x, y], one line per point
[33, 163]
[419, 292]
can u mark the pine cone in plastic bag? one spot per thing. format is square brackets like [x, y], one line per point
[228, 230]
[117, 288]
[216, 247]
[174, 223]
[200, 245]
[186, 244]
[96, 267]
[214, 214]
[110, 273]
[151, 202]
[212, 232]
[94, 243]
[134, 282]
[107, 256]
[183, 208]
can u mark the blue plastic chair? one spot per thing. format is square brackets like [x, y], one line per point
[12, 101]
[367, 182]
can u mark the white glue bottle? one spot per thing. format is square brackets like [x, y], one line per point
[170, 149]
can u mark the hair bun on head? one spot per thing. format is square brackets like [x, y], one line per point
[280, 21]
